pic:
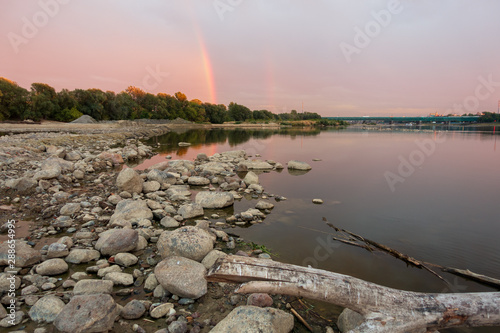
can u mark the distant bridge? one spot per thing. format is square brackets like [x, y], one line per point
[425, 119]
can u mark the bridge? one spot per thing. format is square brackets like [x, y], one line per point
[422, 119]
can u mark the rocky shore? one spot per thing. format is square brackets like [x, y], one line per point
[101, 247]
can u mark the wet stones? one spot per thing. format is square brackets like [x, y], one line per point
[128, 180]
[189, 242]
[182, 276]
[214, 200]
[115, 241]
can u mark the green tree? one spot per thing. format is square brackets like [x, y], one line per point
[90, 102]
[216, 114]
[13, 100]
[44, 103]
[239, 112]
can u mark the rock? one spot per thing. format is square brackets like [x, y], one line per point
[349, 320]
[151, 282]
[260, 299]
[317, 201]
[198, 181]
[128, 180]
[25, 255]
[118, 278]
[181, 276]
[70, 209]
[160, 310]
[72, 156]
[213, 167]
[134, 309]
[161, 177]
[22, 185]
[251, 178]
[50, 169]
[212, 257]
[46, 309]
[184, 144]
[31, 289]
[52, 267]
[130, 211]
[169, 222]
[298, 165]
[114, 158]
[202, 157]
[8, 321]
[114, 199]
[189, 211]
[89, 287]
[57, 250]
[151, 186]
[6, 281]
[125, 259]
[264, 204]
[252, 319]
[189, 242]
[87, 313]
[177, 327]
[78, 256]
[114, 241]
[257, 165]
[213, 200]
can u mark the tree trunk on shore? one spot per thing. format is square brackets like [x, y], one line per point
[384, 309]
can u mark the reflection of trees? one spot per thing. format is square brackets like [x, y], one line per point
[198, 137]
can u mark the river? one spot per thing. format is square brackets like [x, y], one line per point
[431, 193]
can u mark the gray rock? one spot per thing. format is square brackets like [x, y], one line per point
[5, 282]
[124, 279]
[349, 320]
[264, 204]
[214, 167]
[57, 250]
[46, 309]
[52, 267]
[298, 165]
[50, 169]
[151, 186]
[198, 181]
[189, 242]
[70, 209]
[251, 178]
[317, 201]
[128, 180]
[78, 256]
[189, 211]
[8, 321]
[169, 222]
[91, 286]
[202, 157]
[161, 176]
[106, 270]
[130, 211]
[257, 165]
[126, 259]
[87, 313]
[114, 241]
[181, 276]
[160, 310]
[79, 174]
[114, 199]
[22, 185]
[25, 255]
[212, 257]
[252, 319]
[177, 327]
[134, 309]
[151, 282]
[72, 156]
[213, 200]
[233, 154]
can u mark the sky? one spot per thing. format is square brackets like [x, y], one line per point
[336, 58]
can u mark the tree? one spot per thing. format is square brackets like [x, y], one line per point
[13, 100]
[216, 114]
[239, 112]
[90, 102]
[44, 104]
[180, 96]
[136, 93]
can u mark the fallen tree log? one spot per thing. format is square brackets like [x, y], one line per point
[384, 309]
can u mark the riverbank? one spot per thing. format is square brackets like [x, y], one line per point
[78, 216]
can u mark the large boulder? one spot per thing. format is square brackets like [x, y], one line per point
[87, 313]
[214, 199]
[161, 176]
[298, 165]
[22, 185]
[252, 319]
[189, 211]
[128, 180]
[182, 277]
[25, 255]
[189, 242]
[130, 211]
[46, 309]
[251, 178]
[114, 241]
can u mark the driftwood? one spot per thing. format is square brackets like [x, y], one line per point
[384, 309]
[353, 239]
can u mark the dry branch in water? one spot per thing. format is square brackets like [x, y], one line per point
[384, 309]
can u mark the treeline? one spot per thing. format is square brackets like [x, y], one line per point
[43, 102]
[489, 117]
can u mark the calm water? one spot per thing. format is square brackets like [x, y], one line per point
[439, 205]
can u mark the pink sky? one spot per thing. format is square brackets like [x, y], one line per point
[420, 57]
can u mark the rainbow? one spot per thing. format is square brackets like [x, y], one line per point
[207, 65]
